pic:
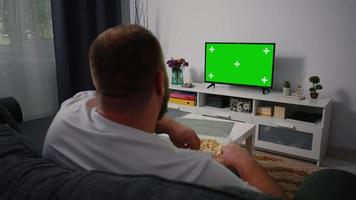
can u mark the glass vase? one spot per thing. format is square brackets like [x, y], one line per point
[177, 77]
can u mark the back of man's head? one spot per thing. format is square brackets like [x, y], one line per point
[124, 61]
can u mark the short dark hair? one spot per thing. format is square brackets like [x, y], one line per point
[124, 61]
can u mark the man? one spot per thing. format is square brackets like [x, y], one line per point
[113, 129]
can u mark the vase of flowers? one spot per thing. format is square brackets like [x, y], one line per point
[177, 66]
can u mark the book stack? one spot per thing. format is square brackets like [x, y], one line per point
[183, 98]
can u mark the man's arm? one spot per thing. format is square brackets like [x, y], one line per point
[235, 157]
[180, 135]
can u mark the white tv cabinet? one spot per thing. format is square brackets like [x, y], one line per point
[285, 136]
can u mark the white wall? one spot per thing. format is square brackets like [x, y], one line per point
[314, 37]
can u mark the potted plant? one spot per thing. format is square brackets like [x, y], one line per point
[315, 80]
[286, 88]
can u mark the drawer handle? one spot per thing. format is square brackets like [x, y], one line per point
[285, 125]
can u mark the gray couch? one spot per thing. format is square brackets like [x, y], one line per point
[25, 174]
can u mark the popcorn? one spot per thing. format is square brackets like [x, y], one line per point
[211, 145]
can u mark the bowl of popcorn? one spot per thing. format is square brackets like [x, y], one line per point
[213, 145]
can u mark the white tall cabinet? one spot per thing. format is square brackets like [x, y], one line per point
[284, 136]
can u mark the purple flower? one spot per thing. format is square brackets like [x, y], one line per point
[177, 64]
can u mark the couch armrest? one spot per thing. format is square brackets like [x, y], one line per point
[13, 106]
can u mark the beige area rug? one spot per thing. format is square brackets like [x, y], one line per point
[289, 173]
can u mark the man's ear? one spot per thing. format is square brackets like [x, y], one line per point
[159, 83]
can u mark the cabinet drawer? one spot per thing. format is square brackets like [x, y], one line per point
[286, 137]
[285, 124]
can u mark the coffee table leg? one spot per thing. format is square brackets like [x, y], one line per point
[250, 144]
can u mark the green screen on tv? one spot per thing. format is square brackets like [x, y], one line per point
[249, 64]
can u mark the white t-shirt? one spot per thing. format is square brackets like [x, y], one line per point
[82, 139]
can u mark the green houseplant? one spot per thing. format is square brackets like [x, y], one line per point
[286, 88]
[315, 80]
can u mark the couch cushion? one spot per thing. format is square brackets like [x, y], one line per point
[35, 131]
[327, 184]
[26, 175]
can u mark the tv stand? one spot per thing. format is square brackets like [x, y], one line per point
[211, 85]
[265, 91]
[284, 135]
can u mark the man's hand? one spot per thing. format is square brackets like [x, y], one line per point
[180, 135]
[235, 157]
[184, 137]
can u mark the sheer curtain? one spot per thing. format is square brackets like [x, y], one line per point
[27, 61]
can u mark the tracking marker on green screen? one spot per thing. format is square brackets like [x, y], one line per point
[249, 64]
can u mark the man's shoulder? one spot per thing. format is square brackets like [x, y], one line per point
[75, 108]
[80, 96]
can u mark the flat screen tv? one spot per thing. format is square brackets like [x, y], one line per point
[248, 64]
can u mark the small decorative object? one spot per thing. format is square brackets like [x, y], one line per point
[265, 111]
[298, 91]
[177, 66]
[188, 84]
[241, 105]
[315, 80]
[286, 88]
[279, 112]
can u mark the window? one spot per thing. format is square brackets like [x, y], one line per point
[25, 22]
[37, 20]
[27, 61]
[4, 23]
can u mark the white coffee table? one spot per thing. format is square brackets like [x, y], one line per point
[240, 131]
